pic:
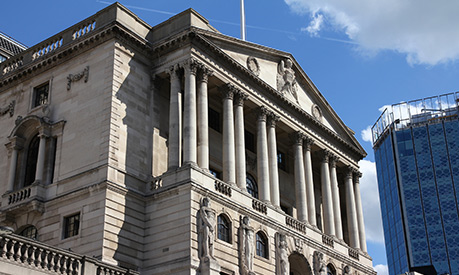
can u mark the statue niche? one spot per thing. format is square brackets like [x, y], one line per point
[286, 81]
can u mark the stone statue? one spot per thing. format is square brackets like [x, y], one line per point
[282, 254]
[206, 224]
[286, 82]
[320, 268]
[346, 270]
[246, 246]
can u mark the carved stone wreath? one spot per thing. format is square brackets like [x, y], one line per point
[252, 65]
[316, 112]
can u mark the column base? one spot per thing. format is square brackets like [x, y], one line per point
[209, 266]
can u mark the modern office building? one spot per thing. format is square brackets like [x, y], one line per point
[416, 148]
[172, 149]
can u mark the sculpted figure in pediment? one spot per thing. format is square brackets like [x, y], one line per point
[286, 81]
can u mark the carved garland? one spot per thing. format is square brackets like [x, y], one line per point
[74, 78]
[8, 109]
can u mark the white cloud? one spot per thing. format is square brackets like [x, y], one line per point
[381, 269]
[425, 31]
[370, 202]
[315, 25]
[366, 134]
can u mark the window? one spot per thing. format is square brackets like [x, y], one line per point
[223, 227]
[40, 95]
[31, 161]
[214, 120]
[29, 232]
[287, 210]
[262, 245]
[282, 161]
[2, 58]
[249, 141]
[252, 187]
[216, 173]
[71, 225]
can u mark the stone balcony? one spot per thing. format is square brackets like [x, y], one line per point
[29, 198]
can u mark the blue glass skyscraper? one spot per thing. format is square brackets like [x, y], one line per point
[416, 148]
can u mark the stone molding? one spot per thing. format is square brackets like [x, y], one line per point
[8, 109]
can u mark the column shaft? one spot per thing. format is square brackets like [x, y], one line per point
[262, 156]
[189, 114]
[41, 159]
[175, 121]
[329, 226]
[351, 212]
[203, 120]
[310, 197]
[300, 181]
[336, 201]
[272, 152]
[358, 206]
[240, 141]
[229, 158]
[12, 172]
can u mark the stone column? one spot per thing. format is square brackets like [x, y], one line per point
[300, 181]
[327, 203]
[358, 206]
[352, 223]
[262, 156]
[335, 196]
[175, 120]
[272, 152]
[203, 119]
[229, 157]
[40, 158]
[16, 145]
[189, 113]
[310, 197]
[240, 140]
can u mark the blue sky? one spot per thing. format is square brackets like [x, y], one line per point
[361, 55]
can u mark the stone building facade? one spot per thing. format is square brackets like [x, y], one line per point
[174, 149]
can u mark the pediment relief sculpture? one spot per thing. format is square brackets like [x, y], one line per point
[252, 65]
[286, 80]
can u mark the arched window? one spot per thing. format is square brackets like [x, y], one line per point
[31, 161]
[224, 228]
[29, 232]
[331, 270]
[262, 245]
[252, 187]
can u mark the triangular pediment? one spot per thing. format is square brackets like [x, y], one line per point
[280, 71]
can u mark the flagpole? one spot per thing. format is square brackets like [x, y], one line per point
[242, 21]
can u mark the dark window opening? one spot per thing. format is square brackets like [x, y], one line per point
[31, 161]
[40, 95]
[71, 225]
[249, 141]
[282, 161]
[262, 245]
[214, 120]
[252, 187]
[224, 228]
[216, 173]
[29, 232]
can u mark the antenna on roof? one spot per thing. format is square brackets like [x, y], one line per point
[242, 21]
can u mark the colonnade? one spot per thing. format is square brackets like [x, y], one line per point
[194, 129]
